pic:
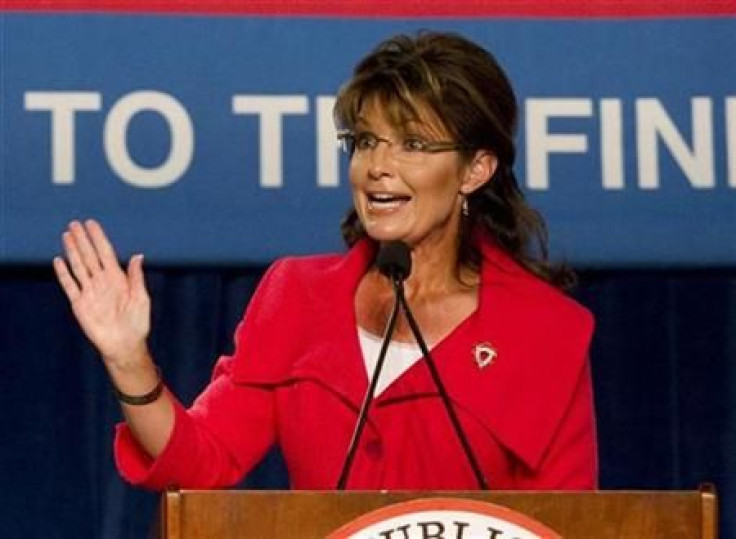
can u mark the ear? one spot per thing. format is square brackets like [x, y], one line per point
[479, 171]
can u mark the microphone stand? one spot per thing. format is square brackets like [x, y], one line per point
[368, 399]
[394, 261]
[399, 289]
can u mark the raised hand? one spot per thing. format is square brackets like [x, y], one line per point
[112, 306]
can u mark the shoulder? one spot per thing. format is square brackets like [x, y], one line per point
[303, 267]
[298, 302]
[535, 301]
[311, 280]
[315, 272]
[552, 304]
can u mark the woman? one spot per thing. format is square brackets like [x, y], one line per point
[428, 122]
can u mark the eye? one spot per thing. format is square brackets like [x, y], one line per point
[414, 143]
[347, 142]
[365, 140]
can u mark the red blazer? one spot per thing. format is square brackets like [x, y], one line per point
[297, 379]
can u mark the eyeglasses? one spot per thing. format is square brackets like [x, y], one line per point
[412, 149]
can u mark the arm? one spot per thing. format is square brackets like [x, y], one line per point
[213, 444]
[161, 443]
[113, 309]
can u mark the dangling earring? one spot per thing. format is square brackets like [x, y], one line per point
[465, 210]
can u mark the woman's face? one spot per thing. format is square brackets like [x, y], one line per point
[399, 194]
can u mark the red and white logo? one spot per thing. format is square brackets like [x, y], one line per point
[444, 518]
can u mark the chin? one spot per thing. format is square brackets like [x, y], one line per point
[385, 235]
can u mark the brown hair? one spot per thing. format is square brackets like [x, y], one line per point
[464, 86]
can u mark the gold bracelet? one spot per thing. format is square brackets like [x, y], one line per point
[140, 400]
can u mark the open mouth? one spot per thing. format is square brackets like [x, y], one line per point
[386, 201]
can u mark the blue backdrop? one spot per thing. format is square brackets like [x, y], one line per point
[174, 130]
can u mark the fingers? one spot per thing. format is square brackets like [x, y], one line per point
[67, 282]
[87, 253]
[102, 245]
[79, 269]
[135, 276]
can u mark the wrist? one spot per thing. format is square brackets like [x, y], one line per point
[133, 360]
[134, 375]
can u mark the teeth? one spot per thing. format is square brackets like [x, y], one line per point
[385, 205]
[385, 201]
[386, 197]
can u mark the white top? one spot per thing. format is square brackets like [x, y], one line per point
[400, 356]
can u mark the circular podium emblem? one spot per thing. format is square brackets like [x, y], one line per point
[444, 518]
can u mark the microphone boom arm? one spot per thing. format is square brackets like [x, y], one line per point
[399, 288]
[368, 399]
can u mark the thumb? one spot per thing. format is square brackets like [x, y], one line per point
[135, 275]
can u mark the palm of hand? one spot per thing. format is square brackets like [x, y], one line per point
[112, 307]
[112, 315]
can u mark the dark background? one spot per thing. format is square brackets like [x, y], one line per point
[664, 365]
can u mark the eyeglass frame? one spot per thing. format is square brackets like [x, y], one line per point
[345, 135]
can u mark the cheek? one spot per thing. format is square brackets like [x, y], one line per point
[354, 174]
[441, 188]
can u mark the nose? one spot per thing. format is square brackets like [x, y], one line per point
[381, 162]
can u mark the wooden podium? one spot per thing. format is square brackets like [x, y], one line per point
[190, 514]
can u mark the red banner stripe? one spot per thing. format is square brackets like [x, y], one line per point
[392, 8]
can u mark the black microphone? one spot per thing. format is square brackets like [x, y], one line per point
[394, 261]
[397, 266]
